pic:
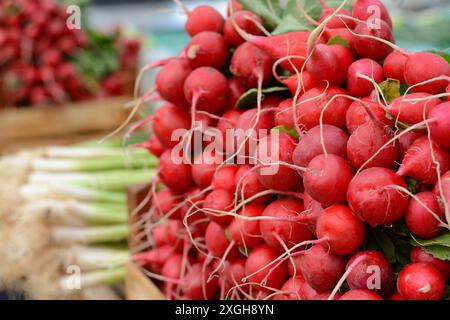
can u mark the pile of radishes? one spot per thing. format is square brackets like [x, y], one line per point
[37, 56]
[357, 161]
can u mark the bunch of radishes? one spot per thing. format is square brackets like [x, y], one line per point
[37, 51]
[354, 159]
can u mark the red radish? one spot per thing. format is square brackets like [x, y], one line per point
[270, 101]
[208, 49]
[207, 89]
[373, 198]
[170, 81]
[412, 112]
[313, 208]
[294, 266]
[420, 255]
[159, 235]
[365, 10]
[172, 270]
[246, 21]
[247, 183]
[246, 232]
[196, 284]
[360, 294]
[166, 120]
[217, 241]
[440, 126]
[194, 198]
[306, 83]
[153, 145]
[340, 32]
[447, 90]
[154, 258]
[405, 141]
[305, 290]
[325, 295]
[372, 272]
[418, 161]
[204, 168]
[232, 275]
[309, 146]
[445, 197]
[357, 114]
[420, 281]
[284, 114]
[271, 150]
[325, 173]
[224, 178]
[259, 258]
[396, 296]
[358, 86]
[250, 64]
[329, 63]
[343, 232]
[313, 102]
[235, 90]
[204, 18]
[291, 289]
[219, 200]
[336, 22]
[423, 66]
[175, 176]
[227, 124]
[166, 202]
[367, 140]
[235, 6]
[373, 48]
[321, 269]
[289, 232]
[394, 66]
[419, 220]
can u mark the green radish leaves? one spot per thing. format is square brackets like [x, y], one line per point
[438, 247]
[390, 89]
[443, 54]
[285, 129]
[249, 99]
[339, 40]
[269, 10]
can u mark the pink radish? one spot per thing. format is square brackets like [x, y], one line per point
[306, 83]
[336, 22]
[166, 120]
[227, 123]
[405, 141]
[365, 10]
[224, 178]
[207, 89]
[196, 284]
[166, 202]
[394, 66]
[217, 242]
[250, 64]
[208, 49]
[258, 258]
[372, 48]
[204, 168]
[170, 81]
[357, 114]
[219, 200]
[272, 149]
[359, 87]
[420, 281]
[246, 21]
[313, 102]
[281, 234]
[321, 269]
[309, 146]
[204, 18]
[246, 232]
[291, 289]
[247, 183]
[443, 198]
[177, 177]
[440, 126]
[153, 145]
[340, 32]
[360, 294]
[342, 231]
[419, 219]
[387, 206]
[423, 66]
[372, 272]
[418, 161]
[235, 90]
[412, 112]
[420, 255]
[313, 209]
[284, 114]
[329, 63]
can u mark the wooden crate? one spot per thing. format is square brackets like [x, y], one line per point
[30, 127]
[137, 285]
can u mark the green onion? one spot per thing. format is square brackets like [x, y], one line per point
[93, 278]
[95, 164]
[90, 235]
[103, 180]
[97, 214]
[92, 258]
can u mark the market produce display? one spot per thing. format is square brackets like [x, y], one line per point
[339, 187]
[44, 61]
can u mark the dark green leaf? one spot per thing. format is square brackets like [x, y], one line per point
[443, 54]
[413, 185]
[442, 240]
[390, 89]
[339, 40]
[385, 243]
[268, 10]
[285, 129]
[439, 252]
[403, 88]
[447, 293]
[243, 251]
[289, 24]
[250, 98]
[227, 234]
